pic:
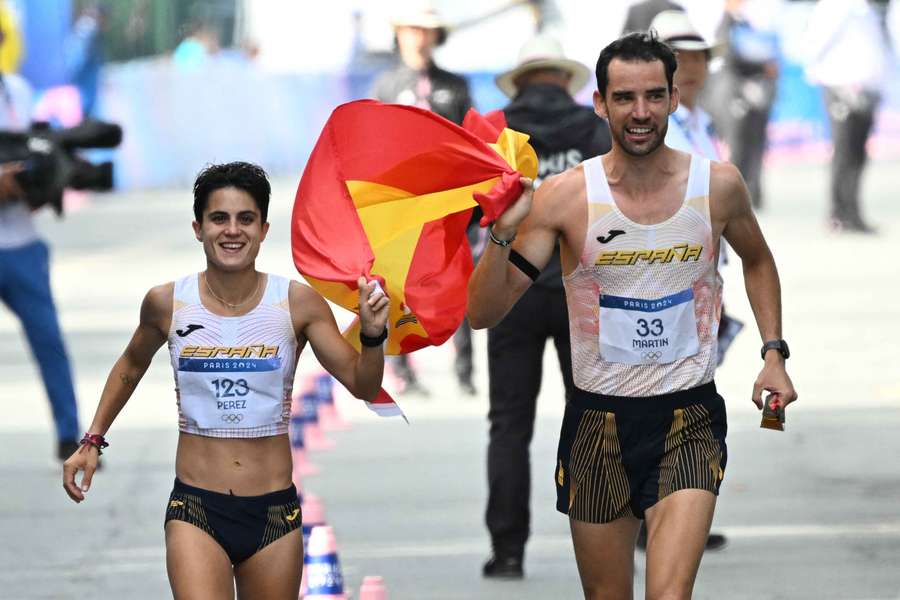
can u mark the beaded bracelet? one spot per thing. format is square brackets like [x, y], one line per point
[96, 440]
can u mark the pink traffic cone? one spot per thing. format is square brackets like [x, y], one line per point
[323, 569]
[372, 588]
[313, 516]
[329, 418]
[312, 433]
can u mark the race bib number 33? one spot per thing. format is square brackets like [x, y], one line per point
[637, 332]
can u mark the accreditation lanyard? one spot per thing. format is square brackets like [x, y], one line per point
[685, 127]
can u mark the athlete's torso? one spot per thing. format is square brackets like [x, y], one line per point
[233, 375]
[644, 300]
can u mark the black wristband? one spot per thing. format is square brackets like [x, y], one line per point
[372, 342]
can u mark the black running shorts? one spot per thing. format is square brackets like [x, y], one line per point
[619, 456]
[242, 525]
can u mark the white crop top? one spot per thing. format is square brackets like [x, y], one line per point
[233, 375]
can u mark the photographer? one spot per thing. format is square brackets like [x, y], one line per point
[25, 275]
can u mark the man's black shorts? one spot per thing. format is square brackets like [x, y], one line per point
[619, 456]
[242, 525]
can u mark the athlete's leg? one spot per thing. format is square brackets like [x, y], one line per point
[605, 556]
[274, 572]
[197, 565]
[677, 528]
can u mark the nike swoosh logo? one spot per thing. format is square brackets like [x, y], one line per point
[293, 515]
[613, 233]
[188, 330]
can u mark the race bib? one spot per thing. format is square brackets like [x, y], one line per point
[231, 393]
[641, 332]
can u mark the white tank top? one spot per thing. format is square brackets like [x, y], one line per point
[233, 375]
[644, 300]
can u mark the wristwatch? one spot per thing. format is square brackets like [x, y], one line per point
[779, 345]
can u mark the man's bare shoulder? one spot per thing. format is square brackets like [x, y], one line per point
[727, 190]
[556, 192]
[725, 178]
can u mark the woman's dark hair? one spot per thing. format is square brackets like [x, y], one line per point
[641, 46]
[241, 175]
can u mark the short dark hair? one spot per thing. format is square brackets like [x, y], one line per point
[641, 46]
[241, 175]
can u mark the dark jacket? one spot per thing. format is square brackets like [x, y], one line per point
[640, 15]
[563, 133]
[449, 95]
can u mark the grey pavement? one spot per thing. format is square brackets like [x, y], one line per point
[813, 512]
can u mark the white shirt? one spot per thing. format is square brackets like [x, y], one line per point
[846, 45]
[16, 226]
[691, 131]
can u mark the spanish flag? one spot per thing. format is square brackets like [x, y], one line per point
[387, 193]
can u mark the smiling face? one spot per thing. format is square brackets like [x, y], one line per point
[637, 105]
[231, 229]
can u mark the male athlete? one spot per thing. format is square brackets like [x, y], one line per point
[234, 335]
[639, 230]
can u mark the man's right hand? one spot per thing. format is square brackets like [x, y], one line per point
[507, 224]
[84, 459]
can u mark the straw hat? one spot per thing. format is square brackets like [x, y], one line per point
[543, 52]
[675, 28]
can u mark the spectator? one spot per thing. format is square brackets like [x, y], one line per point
[641, 14]
[848, 57]
[418, 81]
[563, 133]
[25, 277]
[744, 88]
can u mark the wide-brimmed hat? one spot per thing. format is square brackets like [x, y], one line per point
[543, 52]
[418, 14]
[675, 28]
[421, 14]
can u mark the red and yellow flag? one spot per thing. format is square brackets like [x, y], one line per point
[387, 193]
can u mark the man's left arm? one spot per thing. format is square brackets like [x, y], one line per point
[731, 210]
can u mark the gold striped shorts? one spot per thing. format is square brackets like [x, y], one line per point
[242, 525]
[619, 456]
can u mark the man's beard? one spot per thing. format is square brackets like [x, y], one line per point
[630, 150]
